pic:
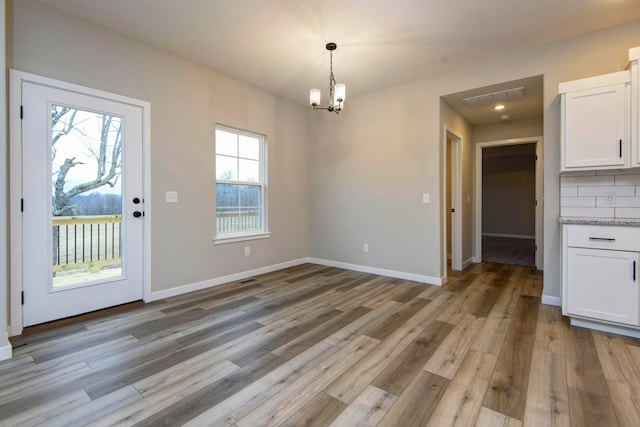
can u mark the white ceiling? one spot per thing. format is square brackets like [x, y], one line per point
[279, 45]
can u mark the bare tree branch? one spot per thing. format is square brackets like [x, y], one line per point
[62, 198]
[56, 117]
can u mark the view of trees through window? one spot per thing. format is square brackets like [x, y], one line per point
[86, 150]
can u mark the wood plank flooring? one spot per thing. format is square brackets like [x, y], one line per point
[317, 346]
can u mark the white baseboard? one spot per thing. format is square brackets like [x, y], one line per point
[380, 271]
[192, 287]
[549, 300]
[5, 352]
[5, 349]
[467, 263]
[510, 236]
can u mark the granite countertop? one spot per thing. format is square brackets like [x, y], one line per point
[622, 222]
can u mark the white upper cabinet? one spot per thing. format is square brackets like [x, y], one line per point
[595, 122]
[634, 67]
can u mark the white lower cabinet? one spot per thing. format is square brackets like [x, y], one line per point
[600, 274]
[602, 284]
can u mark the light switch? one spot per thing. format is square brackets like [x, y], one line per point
[171, 197]
[425, 198]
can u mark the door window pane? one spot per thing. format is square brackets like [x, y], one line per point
[86, 151]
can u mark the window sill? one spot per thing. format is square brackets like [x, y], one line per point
[232, 238]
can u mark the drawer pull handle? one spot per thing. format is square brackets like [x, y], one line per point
[634, 271]
[602, 239]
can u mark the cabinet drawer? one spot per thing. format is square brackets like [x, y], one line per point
[603, 237]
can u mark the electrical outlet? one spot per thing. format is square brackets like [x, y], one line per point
[171, 196]
[610, 198]
[365, 247]
[247, 250]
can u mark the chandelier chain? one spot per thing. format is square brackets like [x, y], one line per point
[332, 79]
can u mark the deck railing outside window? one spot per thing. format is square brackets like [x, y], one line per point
[233, 219]
[91, 242]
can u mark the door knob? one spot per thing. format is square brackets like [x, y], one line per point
[136, 200]
[138, 214]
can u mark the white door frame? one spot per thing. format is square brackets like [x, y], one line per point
[5, 345]
[16, 78]
[455, 168]
[539, 141]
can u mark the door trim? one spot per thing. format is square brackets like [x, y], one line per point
[539, 209]
[455, 168]
[16, 78]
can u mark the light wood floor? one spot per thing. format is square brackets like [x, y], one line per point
[313, 345]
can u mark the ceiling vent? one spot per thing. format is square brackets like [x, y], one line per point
[495, 97]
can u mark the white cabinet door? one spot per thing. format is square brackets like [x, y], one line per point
[594, 127]
[603, 284]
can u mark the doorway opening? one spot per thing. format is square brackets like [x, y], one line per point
[509, 202]
[501, 114]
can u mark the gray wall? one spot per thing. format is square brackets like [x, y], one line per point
[367, 168]
[509, 191]
[186, 102]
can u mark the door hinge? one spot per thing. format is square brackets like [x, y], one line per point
[21, 112]
[22, 297]
[536, 246]
[21, 205]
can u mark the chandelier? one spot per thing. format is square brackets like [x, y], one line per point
[337, 92]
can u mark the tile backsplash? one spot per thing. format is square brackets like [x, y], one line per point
[600, 194]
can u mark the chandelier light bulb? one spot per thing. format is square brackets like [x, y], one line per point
[314, 97]
[341, 91]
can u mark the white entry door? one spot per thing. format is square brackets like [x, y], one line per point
[83, 207]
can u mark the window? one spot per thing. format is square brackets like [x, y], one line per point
[240, 185]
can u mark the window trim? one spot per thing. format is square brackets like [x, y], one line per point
[263, 232]
[240, 237]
